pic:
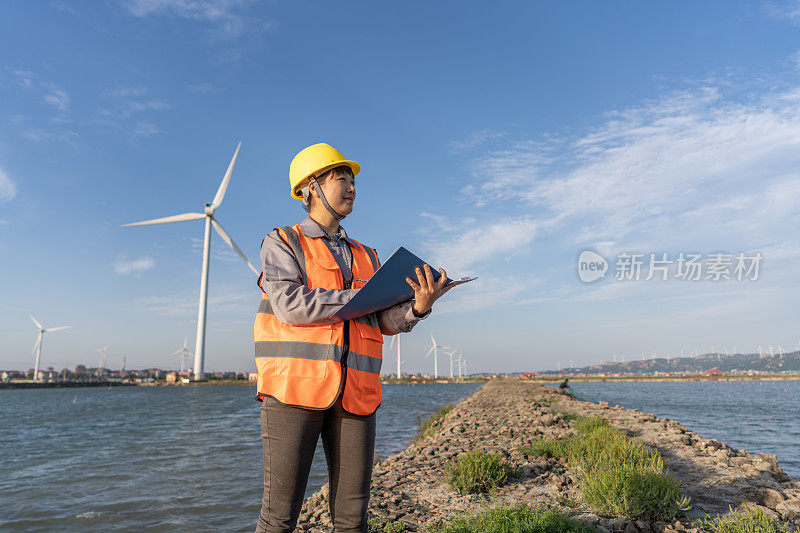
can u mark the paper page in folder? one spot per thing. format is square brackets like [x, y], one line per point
[388, 287]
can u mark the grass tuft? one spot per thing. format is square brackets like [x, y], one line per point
[427, 428]
[548, 448]
[619, 476]
[477, 471]
[587, 425]
[376, 526]
[520, 518]
[744, 521]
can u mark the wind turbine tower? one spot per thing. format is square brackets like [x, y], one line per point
[102, 351]
[451, 353]
[435, 351]
[37, 346]
[184, 353]
[208, 215]
[397, 338]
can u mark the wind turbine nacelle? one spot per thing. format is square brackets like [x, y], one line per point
[209, 209]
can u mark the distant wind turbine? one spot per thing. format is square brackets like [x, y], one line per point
[435, 356]
[37, 346]
[208, 215]
[451, 353]
[184, 353]
[399, 371]
[102, 351]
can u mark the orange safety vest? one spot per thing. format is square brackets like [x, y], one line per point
[306, 365]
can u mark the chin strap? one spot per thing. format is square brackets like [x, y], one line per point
[317, 188]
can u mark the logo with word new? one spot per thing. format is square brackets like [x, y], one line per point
[591, 266]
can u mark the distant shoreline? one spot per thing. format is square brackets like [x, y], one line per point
[412, 381]
[633, 379]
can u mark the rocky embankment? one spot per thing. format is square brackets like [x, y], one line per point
[505, 414]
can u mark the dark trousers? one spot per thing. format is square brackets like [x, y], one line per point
[289, 436]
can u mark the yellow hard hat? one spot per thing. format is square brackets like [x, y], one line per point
[314, 160]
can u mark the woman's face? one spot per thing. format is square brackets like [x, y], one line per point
[340, 190]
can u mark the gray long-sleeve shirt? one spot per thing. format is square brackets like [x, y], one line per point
[294, 303]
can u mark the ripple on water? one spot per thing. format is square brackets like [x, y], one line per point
[158, 459]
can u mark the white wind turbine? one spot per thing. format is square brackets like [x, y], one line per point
[184, 353]
[451, 354]
[399, 371]
[435, 356]
[37, 346]
[208, 215]
[102, 351]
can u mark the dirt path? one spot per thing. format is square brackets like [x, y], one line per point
[507, 413]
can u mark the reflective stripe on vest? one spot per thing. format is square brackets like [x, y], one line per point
[302, 365]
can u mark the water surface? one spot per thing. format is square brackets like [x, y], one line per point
[158, 458]
[757, 416]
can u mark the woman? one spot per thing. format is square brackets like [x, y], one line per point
[318, 375]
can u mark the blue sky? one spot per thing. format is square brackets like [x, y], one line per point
[495, 139]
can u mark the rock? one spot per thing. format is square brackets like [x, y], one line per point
[770, 497]
[644, 527]
[768, 462]
[630, 527]
[789, 510]
[618, 524]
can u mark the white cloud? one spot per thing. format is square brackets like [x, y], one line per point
[145, 129]
[788, 10]
[24, 78]
[136, 266]
[58, 99]
[488, 291]
[8, 190]
[476, 138]
[227, 17]
[186, 305]
[690, 160]
[469, 244]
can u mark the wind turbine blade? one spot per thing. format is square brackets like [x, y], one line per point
[105, 348]
[57, 329]
[224, 185]
[432, 339]
[392, 341]
[36, 344]
[176, 352]
[174, 218]
[429, 352]
[36, 321]
[227, 238]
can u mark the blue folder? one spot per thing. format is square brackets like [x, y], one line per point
[388, 286]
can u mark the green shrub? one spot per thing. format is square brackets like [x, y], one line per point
[547, 448]
[477, 471]
[541, 403]
[376, 526]
[587, 425]
[521, 518]
[426, 429]
[619, 476]
[744, 521]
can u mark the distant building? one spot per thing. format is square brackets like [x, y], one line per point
[252, 376]
[171, 377]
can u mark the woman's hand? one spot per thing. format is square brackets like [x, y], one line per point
[427, 291]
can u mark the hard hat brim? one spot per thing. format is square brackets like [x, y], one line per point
[355, 167]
